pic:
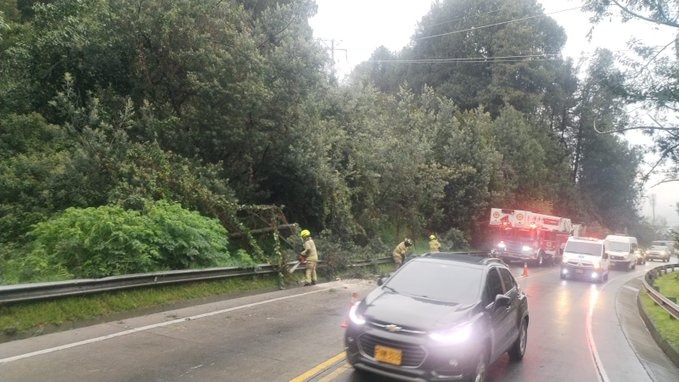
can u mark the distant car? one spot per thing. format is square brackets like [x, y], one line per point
[442, 316]
[585, 258]
[666, 243]
[658, 250]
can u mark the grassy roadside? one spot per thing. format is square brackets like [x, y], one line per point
[37, 317]
[28, 319]
[667, 327]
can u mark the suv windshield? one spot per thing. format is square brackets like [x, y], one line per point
[583, 248]
[660, 244]
[439, 281]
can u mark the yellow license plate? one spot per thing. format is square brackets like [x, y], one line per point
[388, 355]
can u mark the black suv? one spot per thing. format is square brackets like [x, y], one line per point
[442, 316]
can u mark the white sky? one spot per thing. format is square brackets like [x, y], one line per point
[357, 27]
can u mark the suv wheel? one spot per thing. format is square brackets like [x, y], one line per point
[518, 348]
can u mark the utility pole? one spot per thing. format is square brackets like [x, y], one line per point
[652, 200]
[333, 49]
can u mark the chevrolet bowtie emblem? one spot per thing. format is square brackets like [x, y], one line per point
[393, 328]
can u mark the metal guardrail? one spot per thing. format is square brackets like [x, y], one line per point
[80, 287]
[49, 290]
[670, 306]
[38, 291]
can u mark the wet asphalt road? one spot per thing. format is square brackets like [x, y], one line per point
[578, 332]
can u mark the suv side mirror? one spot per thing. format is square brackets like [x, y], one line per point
[381, 280]
[501, 301]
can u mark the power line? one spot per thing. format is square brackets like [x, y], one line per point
[495, 24]
[462, 17]
[494, 59]
[497, 59]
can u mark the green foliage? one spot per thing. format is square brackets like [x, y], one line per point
[111, 107]
[109, 240]
[488, 72]
[34, 157]
[608, 187]
[651, 78]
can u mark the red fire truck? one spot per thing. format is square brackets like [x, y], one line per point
[526, 236]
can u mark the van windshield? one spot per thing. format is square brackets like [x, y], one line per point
[583, 248]
[617, 246]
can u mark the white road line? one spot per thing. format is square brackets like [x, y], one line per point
[594, 297]
[153, 326]
[631, 288]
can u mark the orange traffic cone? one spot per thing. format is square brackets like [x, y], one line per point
[354, 297]
[525, 270]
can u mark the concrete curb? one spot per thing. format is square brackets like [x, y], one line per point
[667, 348]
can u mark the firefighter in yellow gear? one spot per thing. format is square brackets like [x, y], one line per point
[400, 251]
[310, 257]
[434, 245]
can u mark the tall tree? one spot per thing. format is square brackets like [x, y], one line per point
[605, 166]
[489, 53]
[652, 78]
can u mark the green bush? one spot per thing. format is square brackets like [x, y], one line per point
[109, 240]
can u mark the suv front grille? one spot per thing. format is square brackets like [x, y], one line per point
[400, 329]
[412, 356]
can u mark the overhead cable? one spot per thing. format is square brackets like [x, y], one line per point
[494, 24]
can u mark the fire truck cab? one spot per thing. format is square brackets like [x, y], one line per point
[525, 236]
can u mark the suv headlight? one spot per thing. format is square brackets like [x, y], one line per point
[526, 248]
[354, 316]
[456, 335]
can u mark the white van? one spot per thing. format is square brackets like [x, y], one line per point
[622, 250]
[585, 258]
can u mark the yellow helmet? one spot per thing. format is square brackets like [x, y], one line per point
[432, 237]
[305, 233]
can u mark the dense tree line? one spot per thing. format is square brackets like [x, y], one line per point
[111, 107]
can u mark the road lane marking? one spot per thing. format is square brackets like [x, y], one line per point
[594, 297]
[631, 288]
[319, 368]
[337, 372]
[153, 326]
